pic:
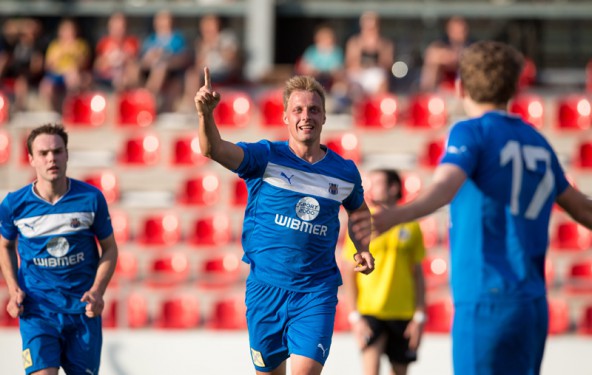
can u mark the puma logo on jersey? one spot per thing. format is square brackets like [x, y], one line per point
[289, 179]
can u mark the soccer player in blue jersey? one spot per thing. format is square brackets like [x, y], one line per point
[57, 289]
[502, 178]
[290, 229]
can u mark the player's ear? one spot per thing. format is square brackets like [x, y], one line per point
[285, 118]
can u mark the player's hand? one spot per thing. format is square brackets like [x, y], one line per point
[15, 303]
[364, 262]
[413, 332]
[362, 333]
[366, 226]
[206, 99]
[94, 303]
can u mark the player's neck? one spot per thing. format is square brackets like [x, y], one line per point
[311, 153]
[474, 109]
[51, 191]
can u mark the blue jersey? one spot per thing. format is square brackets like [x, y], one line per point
[291, 222]
[56, 243]
[500, 216]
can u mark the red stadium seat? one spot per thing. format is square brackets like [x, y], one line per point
[240, 193]
[136, 108]
[229, 313]
[203, 190]
[4, 108]
[583, 158]
[106, 181]
[168, 270]
[427, 111]
[440, 314]
[347, 145]
[121, 226]
[435, 270]
[5, 147]
[549, 272]
[530, 108]
[271, 107]
[179, 312]
[341, 317]
[126, 268]
[233, 110]
[376, 112]
[584, 324]
[574, 112]
[559, 318]
[138, 314]
[570, 235]
[220, 271]
[212, 230]
[160, 230]
[186, 152]
[430, 231]
[141, 151]
[579, 278]
[528, 74]
[433, 152]
[84, 109]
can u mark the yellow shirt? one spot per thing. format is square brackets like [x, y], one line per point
[388, 292]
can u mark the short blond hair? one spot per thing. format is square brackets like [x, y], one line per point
[303, 83]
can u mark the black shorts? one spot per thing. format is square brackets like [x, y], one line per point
[397, 346]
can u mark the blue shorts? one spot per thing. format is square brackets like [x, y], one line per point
[283, 322]
[499, 337]
[70, 341]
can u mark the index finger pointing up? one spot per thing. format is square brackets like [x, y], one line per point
[207, 81]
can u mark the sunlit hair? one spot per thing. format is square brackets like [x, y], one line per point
[51, 129]
[490, 71]
[303, 83]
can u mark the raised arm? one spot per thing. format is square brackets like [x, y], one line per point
[577, 205]
[211, 143]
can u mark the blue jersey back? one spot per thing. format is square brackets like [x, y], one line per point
[500, 216]
[56, 243]
[291, 221]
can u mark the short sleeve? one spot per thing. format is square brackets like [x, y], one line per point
[102, 225]
[256, 157]
[462, 147]
[7, 228]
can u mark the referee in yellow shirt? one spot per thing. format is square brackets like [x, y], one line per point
[387, 306]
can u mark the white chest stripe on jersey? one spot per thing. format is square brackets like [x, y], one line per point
[307, 183]
[55, 224]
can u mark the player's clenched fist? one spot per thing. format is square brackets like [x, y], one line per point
[206, 99]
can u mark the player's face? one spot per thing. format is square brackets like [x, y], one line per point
[379, 192]
[305, 116]
[49, 158]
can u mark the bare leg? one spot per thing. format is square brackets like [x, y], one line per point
[280, 370]
[301, 365]
[371, 356]
[47, 371]
[399, 369]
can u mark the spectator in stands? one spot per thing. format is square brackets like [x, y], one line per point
[296, 188]
[369, 57]
[21, 59]
[66, 65]
[502, 178]
[164, 59]
[57, 255]
[441, 56]
[324, 60]
[219, 49]
[388, 306]
[116, 63]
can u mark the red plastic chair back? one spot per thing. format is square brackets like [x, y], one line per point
[530, 108]
[427, 111]
[377, 112]
[136, 108]
[574, 112]
[85, 109]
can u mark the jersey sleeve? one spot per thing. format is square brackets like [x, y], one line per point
[7, 228]
[462, 147]
[256, 157]
[102, 225]
[356, 198]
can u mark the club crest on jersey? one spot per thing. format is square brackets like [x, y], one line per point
[75, 222]
[333, 189]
